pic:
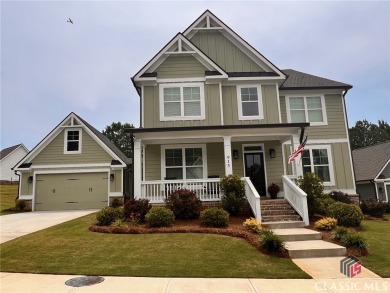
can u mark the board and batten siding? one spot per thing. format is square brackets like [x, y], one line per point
[152, 109]
[215, 159]
[153, 162]
[53, 153]
[336, 121]
[116, 185]
[223, 52]
[270, 106]
[26, 188]
[180, 67]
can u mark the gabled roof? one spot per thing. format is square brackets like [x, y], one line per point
[370, 161]
[300, 80]
[98, 136]
[5, 152]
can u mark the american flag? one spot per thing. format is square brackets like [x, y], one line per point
[298, 151]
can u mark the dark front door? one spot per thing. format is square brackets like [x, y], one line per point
[254, 169]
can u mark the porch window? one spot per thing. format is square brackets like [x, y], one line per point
[318, 160]
[249, 102]
[72, 141]
[184, 162]
[181, 101]
[306, 109]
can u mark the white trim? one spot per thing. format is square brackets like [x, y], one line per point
[385, 187]
[142, 106]
[71, 166]
[115, 194]
[254, 78]
[330, 161]
[322, 141]
[323, 106]
[259, 102]
[80, 141]
[221, 103]
[284, 159]
[143, 154]
[182, 86]
[380, 172]
[181, 80]
[278, 100]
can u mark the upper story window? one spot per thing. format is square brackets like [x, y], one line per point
[306, 109]
[318, 160]
[250, 104]
[182, 101]
[72, 143]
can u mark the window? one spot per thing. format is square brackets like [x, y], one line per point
[182, 101]
[72, 143]
[306, 109]
[183, 162]
[249, 102]
[318, 160]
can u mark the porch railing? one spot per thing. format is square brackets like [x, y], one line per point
[253, 197]
[296, 197]
[158, 190]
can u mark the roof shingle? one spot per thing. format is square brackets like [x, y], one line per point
[5, 152]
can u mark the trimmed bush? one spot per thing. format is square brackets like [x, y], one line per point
[313, 186]
[321, 204]
[340, 196]
[326, 224]
[137, 207]
[338, 233]
[271, 242]
[20, 205]
[373, 207]
[184, 204]
[347, 215]
[214, 217]
[108, 215]
[355, 240]
[159, 217]
[116, 202]
[119, 223]
[233, 189]
[252, 225]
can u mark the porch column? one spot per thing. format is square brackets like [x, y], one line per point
[228, 155]
[297, 164]
[137, 167]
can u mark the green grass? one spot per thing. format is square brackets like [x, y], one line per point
[7, 199]
[70, 248]
[377, 234]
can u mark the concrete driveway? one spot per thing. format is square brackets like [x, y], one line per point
[17, 225]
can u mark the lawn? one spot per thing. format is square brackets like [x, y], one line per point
[377, 233]
[70, 248]
[7, 198]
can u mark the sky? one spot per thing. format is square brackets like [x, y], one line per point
[50, 67]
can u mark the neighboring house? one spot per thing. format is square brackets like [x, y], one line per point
[212, 105]
[74, 167]
[372, 171]
[8, 158]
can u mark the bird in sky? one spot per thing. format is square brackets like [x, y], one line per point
[69, 20]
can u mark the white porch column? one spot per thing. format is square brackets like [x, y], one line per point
[297, 163]
[137, 167]
[228, 155]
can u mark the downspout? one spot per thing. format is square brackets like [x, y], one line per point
[17, 196]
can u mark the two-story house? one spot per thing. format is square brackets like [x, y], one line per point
[212, 105]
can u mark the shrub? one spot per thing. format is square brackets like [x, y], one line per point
[373, 207]
[252, 225]
[347, 215]
[340, 196]
[355, 240]
[313, 186]
[233, 189]
[321, 204]
[20, 205]
[326, 224]
[159, 217]
[338, 233]
[108, 215]
[387, 207]
[116, 202]
[119, 223]
[137, 207]
[233, 204]
[271, 242]
[184, 204]
[214, 217]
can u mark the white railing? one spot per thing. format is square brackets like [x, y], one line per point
[253, 197]
[296, 197]
[158, 190]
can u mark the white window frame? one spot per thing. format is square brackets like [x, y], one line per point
[66, 140]
[324, 116]
[330, 160]
[183, 147]
[259, 102]
[202, 115]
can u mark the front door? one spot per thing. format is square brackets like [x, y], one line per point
[254, 169]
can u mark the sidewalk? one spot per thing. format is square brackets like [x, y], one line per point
[15, 282]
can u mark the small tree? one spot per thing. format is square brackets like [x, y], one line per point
[313, 186]
[116, 133]
[233, 189]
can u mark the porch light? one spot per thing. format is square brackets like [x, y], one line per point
[272, 153]
[235, 154]
[30, 179]
[112, 176]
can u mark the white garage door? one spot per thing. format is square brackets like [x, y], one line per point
[71, 191]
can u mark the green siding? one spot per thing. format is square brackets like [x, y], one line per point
[180, 67]
[274, 166]
[342, 166]
[116, 185]
[153, 162]
[26, 188]
[53, 153]
[215, 159]
[223, 52]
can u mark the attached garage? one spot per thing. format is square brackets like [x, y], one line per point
[71, 191]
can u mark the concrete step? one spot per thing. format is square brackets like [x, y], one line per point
[314, 248]
[280, 218]
[273, 201]
[278, 212]
[284, 224]
[298, 234]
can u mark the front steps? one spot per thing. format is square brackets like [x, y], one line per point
[277, 210]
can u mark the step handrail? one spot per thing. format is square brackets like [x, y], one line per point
[296, 197]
